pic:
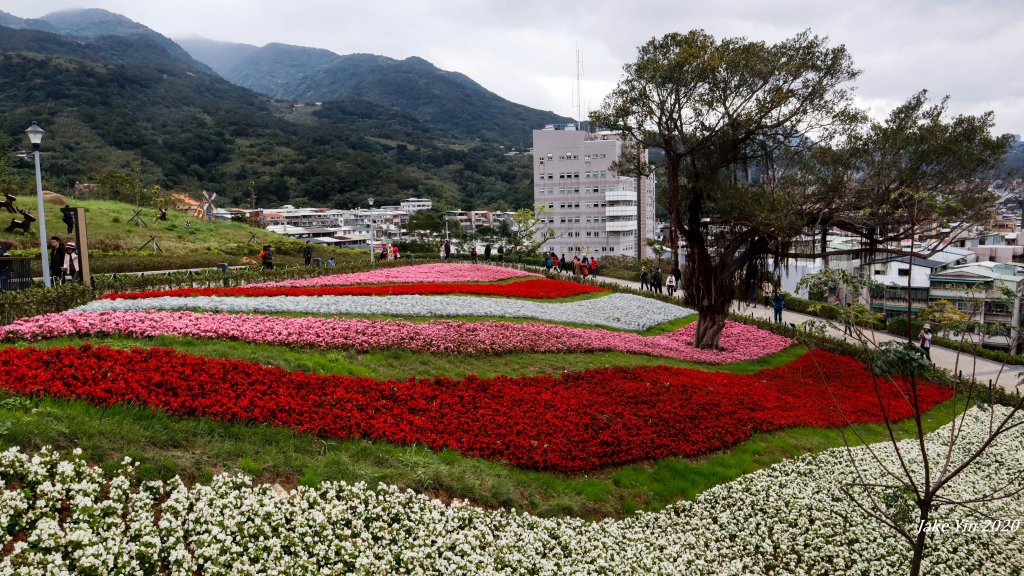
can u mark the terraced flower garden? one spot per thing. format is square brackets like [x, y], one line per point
[447, 418]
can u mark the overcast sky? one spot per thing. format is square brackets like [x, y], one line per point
[525, 50]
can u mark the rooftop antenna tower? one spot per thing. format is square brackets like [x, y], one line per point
[579, 89]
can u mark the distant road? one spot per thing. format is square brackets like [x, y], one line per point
[1006, 377]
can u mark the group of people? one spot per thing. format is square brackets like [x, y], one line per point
[267, 256]
[474, 255]
[64, 261]
[586, 266]
[659, 282]
[388, 252]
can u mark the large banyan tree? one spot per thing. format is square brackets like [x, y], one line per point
[763, 144]
[725, 111]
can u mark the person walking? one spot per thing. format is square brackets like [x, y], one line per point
[565, 263]
[487, 253]
[925, 338]
[778, 303]
[69, 267]
[267, 258]
[670, 284]
[473, 253]
[645, 278]
[656, 281]
[5, 267]
[56, 259]
[447, 250]
[593, 266]
[547, 261]
[848, 321]
[501, 253]
[307, 253]
[394, 251]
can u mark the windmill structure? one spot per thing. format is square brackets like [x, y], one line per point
[207, 208]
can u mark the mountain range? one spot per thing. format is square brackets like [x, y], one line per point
[413, 85]
[290, 124]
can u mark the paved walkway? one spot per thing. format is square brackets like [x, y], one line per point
[983, 370]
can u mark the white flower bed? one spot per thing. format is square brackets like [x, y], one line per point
[625, 311]
[788, 519]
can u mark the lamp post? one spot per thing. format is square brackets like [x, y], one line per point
[35, 136]
[370, 201]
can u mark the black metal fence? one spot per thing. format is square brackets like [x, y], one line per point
[15, 273]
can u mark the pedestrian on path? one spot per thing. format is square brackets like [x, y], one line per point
[925, 338]
[778, 303]
[670, 284]
[645, 278]
[307, 253]
[848, 321]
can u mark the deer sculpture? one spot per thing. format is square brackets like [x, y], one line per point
[8, 203]
[23, 224]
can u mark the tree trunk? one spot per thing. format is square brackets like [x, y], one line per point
[710, 322]
[710, 287]
[920, 542]
[673, 238]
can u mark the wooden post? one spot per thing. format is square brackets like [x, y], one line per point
[82, 242]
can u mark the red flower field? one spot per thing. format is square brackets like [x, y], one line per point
[533, 288]
[573, 422]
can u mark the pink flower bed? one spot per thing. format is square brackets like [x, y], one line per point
[740, 341]
[407, 274]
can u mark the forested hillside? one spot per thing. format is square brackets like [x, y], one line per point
[126, 105]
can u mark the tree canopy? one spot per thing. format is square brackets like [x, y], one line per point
[763, 144]
[727, 114]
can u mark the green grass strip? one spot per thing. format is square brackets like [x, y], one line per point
[198, 448]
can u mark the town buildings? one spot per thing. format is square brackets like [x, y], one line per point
[592, 209]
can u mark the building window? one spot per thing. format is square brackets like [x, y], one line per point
[903, 271]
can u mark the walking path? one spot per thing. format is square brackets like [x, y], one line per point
[1006, 377]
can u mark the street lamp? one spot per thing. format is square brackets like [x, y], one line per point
[370, 201]
[35, 136]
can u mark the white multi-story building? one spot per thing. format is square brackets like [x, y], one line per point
[416, 204]
[592, 209]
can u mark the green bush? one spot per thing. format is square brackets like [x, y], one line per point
[975, 350]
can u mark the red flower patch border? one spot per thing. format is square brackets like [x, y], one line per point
[574, 422]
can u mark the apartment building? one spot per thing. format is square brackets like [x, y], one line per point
[592, 209]
[977, 289]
